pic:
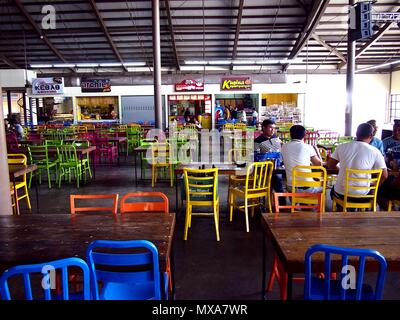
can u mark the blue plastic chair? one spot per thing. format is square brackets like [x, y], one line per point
[125, 274]
[48, 281]
[327, 289]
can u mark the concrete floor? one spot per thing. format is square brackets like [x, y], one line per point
[204, 268]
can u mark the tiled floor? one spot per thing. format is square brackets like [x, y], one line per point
[204, 268]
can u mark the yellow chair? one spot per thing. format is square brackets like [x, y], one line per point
[19, 160]
[256, 186]
[236, 156]
[201, 187]
[162, 157]
[240, 126]
[304, 177]
[393, 202]
[366, 181]
[228, 126]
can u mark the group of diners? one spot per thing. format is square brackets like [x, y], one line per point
[366, 152]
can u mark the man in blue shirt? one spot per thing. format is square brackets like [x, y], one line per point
[377, 143]
[394, 140]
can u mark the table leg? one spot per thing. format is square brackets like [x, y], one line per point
[264, 265]
[290, 286]
[37, 193]
[134, 157]
[171, 264]
[118, 153]
[176, 196]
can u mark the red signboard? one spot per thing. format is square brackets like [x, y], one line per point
[189, 85]
[235, 83]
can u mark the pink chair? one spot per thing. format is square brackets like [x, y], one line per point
[105, 150]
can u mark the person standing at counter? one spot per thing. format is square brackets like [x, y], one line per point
[112, 113]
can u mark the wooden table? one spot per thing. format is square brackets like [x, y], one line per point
[16, 171]
[37, 238]
[291, 234]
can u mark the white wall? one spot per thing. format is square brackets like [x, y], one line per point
[396, 82]
[326, 100]
[15, 78]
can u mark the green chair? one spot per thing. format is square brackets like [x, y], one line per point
[69, 162]
[39, 155]
[134, 135]
[85, 160]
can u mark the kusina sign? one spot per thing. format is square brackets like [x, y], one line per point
[53, 85]
[235, 83]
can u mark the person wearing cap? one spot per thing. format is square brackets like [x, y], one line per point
[358, 154]
[377, 143]
[394, 140]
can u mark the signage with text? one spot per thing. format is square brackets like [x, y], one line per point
[235, 83]
[96, 85]
[53, 85]
[189, 85]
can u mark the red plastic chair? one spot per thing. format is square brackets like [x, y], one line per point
[105, 150]
[278, 272]
[144, 206]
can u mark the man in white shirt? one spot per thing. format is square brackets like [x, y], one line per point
[298, 153]
[255, 117]
[358, 154]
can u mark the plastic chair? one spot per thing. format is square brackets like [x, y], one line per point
[19, 160]
[39, 155]
[125, 275]
[309, 177]
[147, 206]
[365, 181]
[144, 206]
[201, 190]
[112, 209]
[162, 157]
[328, 289]
[256, 187]
[314, 205]
[49, 271]
[69, 162]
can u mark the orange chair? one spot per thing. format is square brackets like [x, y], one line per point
[112, 209]
[278, 271]
[145, 206]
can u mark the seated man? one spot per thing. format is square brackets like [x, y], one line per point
[389, 190]
[268, 141]
[394, 140]
[298, 153]
[358, 154]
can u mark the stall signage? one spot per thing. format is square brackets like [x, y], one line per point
[235, 83]
[189, 85]
[96, 85]
[53, 85]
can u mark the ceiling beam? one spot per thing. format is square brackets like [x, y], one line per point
[9, 62]
[369, 43]
[312, 21]
[329, 47]
[238, 25]
[172, 33]
[106, 33]
[38, 30]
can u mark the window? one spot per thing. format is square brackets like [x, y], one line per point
[394, 107]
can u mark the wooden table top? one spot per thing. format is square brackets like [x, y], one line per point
[223, 168]
[35, 238]
[16, 171]
[291, 234]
